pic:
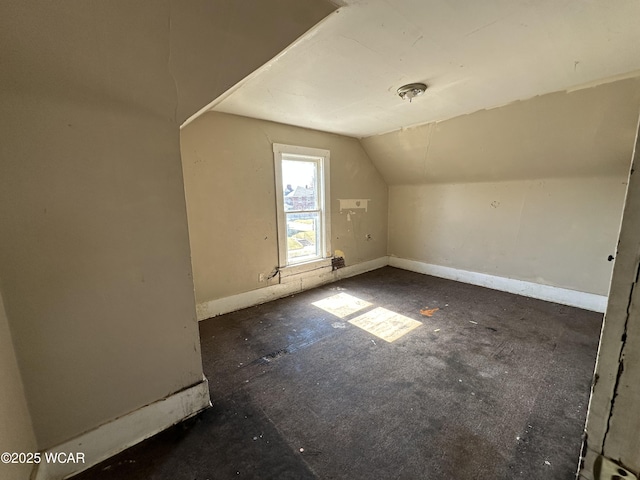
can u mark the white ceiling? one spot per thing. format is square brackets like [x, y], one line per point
[343, 75]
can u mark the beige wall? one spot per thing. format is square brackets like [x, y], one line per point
[216, 43]
[229, 181]
[531, 191]
[16, 431]
[94, 249]
[585, 133]
[555, 232]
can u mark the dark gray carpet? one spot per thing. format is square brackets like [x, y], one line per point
[500, 391]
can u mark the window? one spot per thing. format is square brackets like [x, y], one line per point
[302, 189]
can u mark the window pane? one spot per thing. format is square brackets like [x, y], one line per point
[299, 180]
[302, 236]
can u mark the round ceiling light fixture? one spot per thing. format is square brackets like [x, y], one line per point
[411, 90]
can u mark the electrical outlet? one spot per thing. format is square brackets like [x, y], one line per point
[368, 236]
[261, 277]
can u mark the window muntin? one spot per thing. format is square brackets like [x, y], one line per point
[301, 184]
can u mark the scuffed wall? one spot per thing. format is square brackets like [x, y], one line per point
[531, 191]
[556, 232]
[94, 249]
[584, 133]
[613, 422]
[229, 182]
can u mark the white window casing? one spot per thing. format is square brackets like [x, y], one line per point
[320, 158]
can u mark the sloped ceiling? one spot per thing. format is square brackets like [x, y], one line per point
[585, 133]
[342, 76]
[241, 36]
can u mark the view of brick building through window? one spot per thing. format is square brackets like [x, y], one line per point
[301, 205]
[300, 198]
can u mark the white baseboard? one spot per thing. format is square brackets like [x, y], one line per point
[564, 296]
[298, 283]
[304, 281]
[123, 432]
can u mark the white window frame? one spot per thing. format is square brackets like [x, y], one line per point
[322, 158]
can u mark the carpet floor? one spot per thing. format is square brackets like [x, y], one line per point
[387, 375]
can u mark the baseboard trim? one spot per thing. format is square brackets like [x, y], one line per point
[305, 281]
[123, 432]
[563, 296]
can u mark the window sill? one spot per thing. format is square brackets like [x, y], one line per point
[286, 273]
